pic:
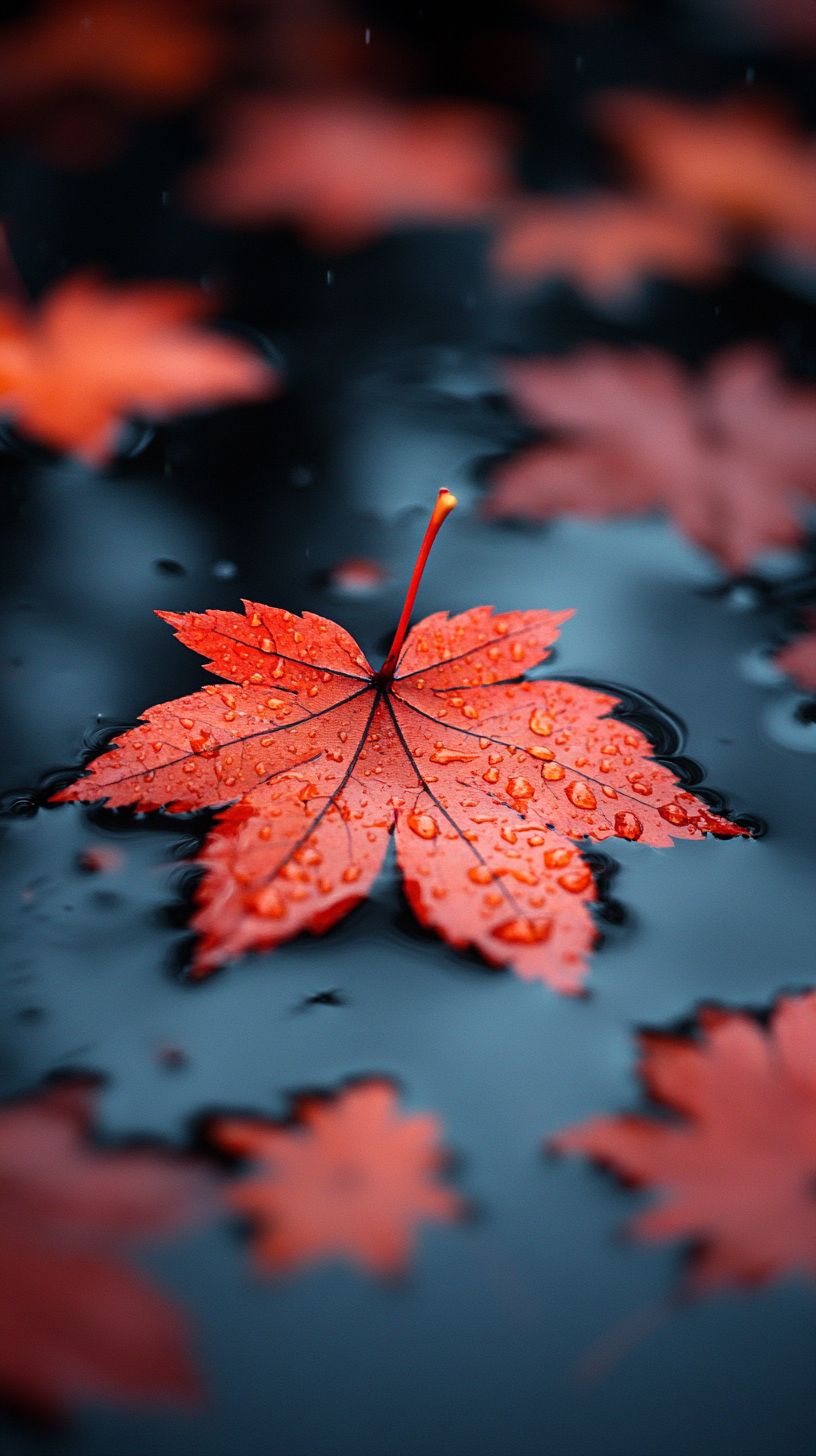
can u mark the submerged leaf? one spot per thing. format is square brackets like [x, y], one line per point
[730, 455]
[737, 1172]
[798, 658]
[77, 1322]
[352, 1179]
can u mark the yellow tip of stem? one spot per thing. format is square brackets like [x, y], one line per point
[445, 503]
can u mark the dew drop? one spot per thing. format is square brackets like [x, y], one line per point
[351, 873]
[519, 788]
[480, 875]
[524, 932]
[581, 795]
[575, 880]
[269, 902]
[628, 826]
[423, 825]
[491, 776]
[552, 771]
[558, 859]
[541, 723]
[673, 813]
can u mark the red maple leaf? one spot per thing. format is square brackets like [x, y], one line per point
[798, 658]
[345, 169]
[744, 164]
[351, 1178]
[147, 53]
[737, 1172]
[77, 1322]
[729, 455]
[606, 244]
[92, 353]
[483, 777]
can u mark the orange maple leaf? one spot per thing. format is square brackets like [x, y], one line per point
[147, 53]
[798, 658]
[483, 778]
[743, 164]
[730, 455]
[352, 1179]
[737, 1174]
[346, 169]
[77, 1323]
[92, 353]
[606, 244]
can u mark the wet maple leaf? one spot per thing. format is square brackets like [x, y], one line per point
[484, 779]
[146, 53]
[737, 1172]
[77, 1322]
[352, 1178]
[347, 169]
[729, 455]
[91, 353]
[798, 658]
[605, 244]
[739, 162]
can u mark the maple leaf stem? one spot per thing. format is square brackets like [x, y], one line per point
[445, 503]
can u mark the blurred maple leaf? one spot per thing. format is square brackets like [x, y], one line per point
[605, 244]
[483, 778]
[789, 22]
[316, 46]
[737, 1172]
[728, 455]
[741, 163]
[351, 1178]
[347, 169]
[77, 1323]
[798, 658]
[146, 53]
[92, 353]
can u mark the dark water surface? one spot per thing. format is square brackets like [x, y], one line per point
[475, 1353]
[391, 394]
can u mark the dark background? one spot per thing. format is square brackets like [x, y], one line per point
[390, 394]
